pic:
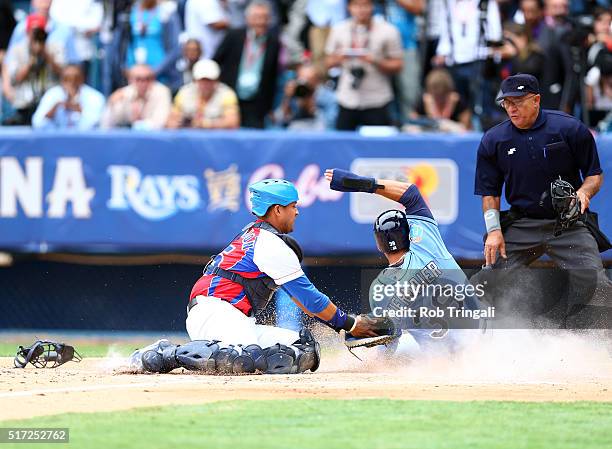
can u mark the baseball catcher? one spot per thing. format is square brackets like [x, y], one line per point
[417, 257]
[237, 284]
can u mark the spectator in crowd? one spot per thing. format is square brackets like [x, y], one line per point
[206, 21]
[323, 14]
[403, 14]
[249, 64]
[293, 39]
[601, 37]
[520, 53]
[463, 46]
[33, 68]
[434, 15]
[114, 40]
[71, 105]
[205, 103]
[85, 19]
[154, 40]
[557, 12]
[369, 51]
[192, 53]
[442, 105]
[557, 17]
[599, 89]
[306, 103]
[557, 65]
[143, 104]
[57, 35]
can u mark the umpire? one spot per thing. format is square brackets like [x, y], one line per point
[548, 162]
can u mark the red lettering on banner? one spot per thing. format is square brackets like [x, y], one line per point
[310, 184]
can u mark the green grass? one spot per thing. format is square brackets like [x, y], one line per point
[329, 424]
[85, 349]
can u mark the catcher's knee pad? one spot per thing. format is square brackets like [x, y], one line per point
[195, 355]
[258, 356]
[241, 360]
[280, 359]
[159, 360]
[304, 354]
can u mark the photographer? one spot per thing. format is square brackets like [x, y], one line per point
[369, 52]
[520, 53]
[33, 68]
[306, 104]
[468, 31]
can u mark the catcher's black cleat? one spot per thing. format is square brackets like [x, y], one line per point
[135, 362]
[310, 358]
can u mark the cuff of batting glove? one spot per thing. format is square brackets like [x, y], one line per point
[346, 181]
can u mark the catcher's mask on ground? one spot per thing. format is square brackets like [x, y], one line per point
[46, 354]
[392, 231]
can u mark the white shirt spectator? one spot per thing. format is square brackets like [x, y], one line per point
[82, 16]
[199, 14]
[463, 44]
[601, 102]
[90, 100]
[435, 15]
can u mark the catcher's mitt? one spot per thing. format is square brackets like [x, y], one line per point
[384, 327]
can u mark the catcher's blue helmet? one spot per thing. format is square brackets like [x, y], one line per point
[269, 192]
[392, 231]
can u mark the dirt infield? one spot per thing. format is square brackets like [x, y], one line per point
[520, 368]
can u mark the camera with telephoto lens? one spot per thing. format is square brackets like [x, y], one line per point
[358, 73]
[37, 46]
[39, 35]
[303, 89]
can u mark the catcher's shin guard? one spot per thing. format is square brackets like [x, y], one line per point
[208, 356]
[304, 354]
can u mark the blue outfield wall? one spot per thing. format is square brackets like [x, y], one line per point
[136, 192]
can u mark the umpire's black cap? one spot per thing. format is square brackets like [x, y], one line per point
[519, 85]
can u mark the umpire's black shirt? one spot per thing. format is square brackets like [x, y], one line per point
[527, 161]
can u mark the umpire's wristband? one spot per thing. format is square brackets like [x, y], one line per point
[491, 218]
[340, 320]
[346, 181]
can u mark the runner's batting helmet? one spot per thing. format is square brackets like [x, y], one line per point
[392, 231]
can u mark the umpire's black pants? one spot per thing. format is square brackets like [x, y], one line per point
[589, 296]
[351, 119]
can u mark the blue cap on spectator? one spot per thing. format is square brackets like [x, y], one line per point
[519, 85]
